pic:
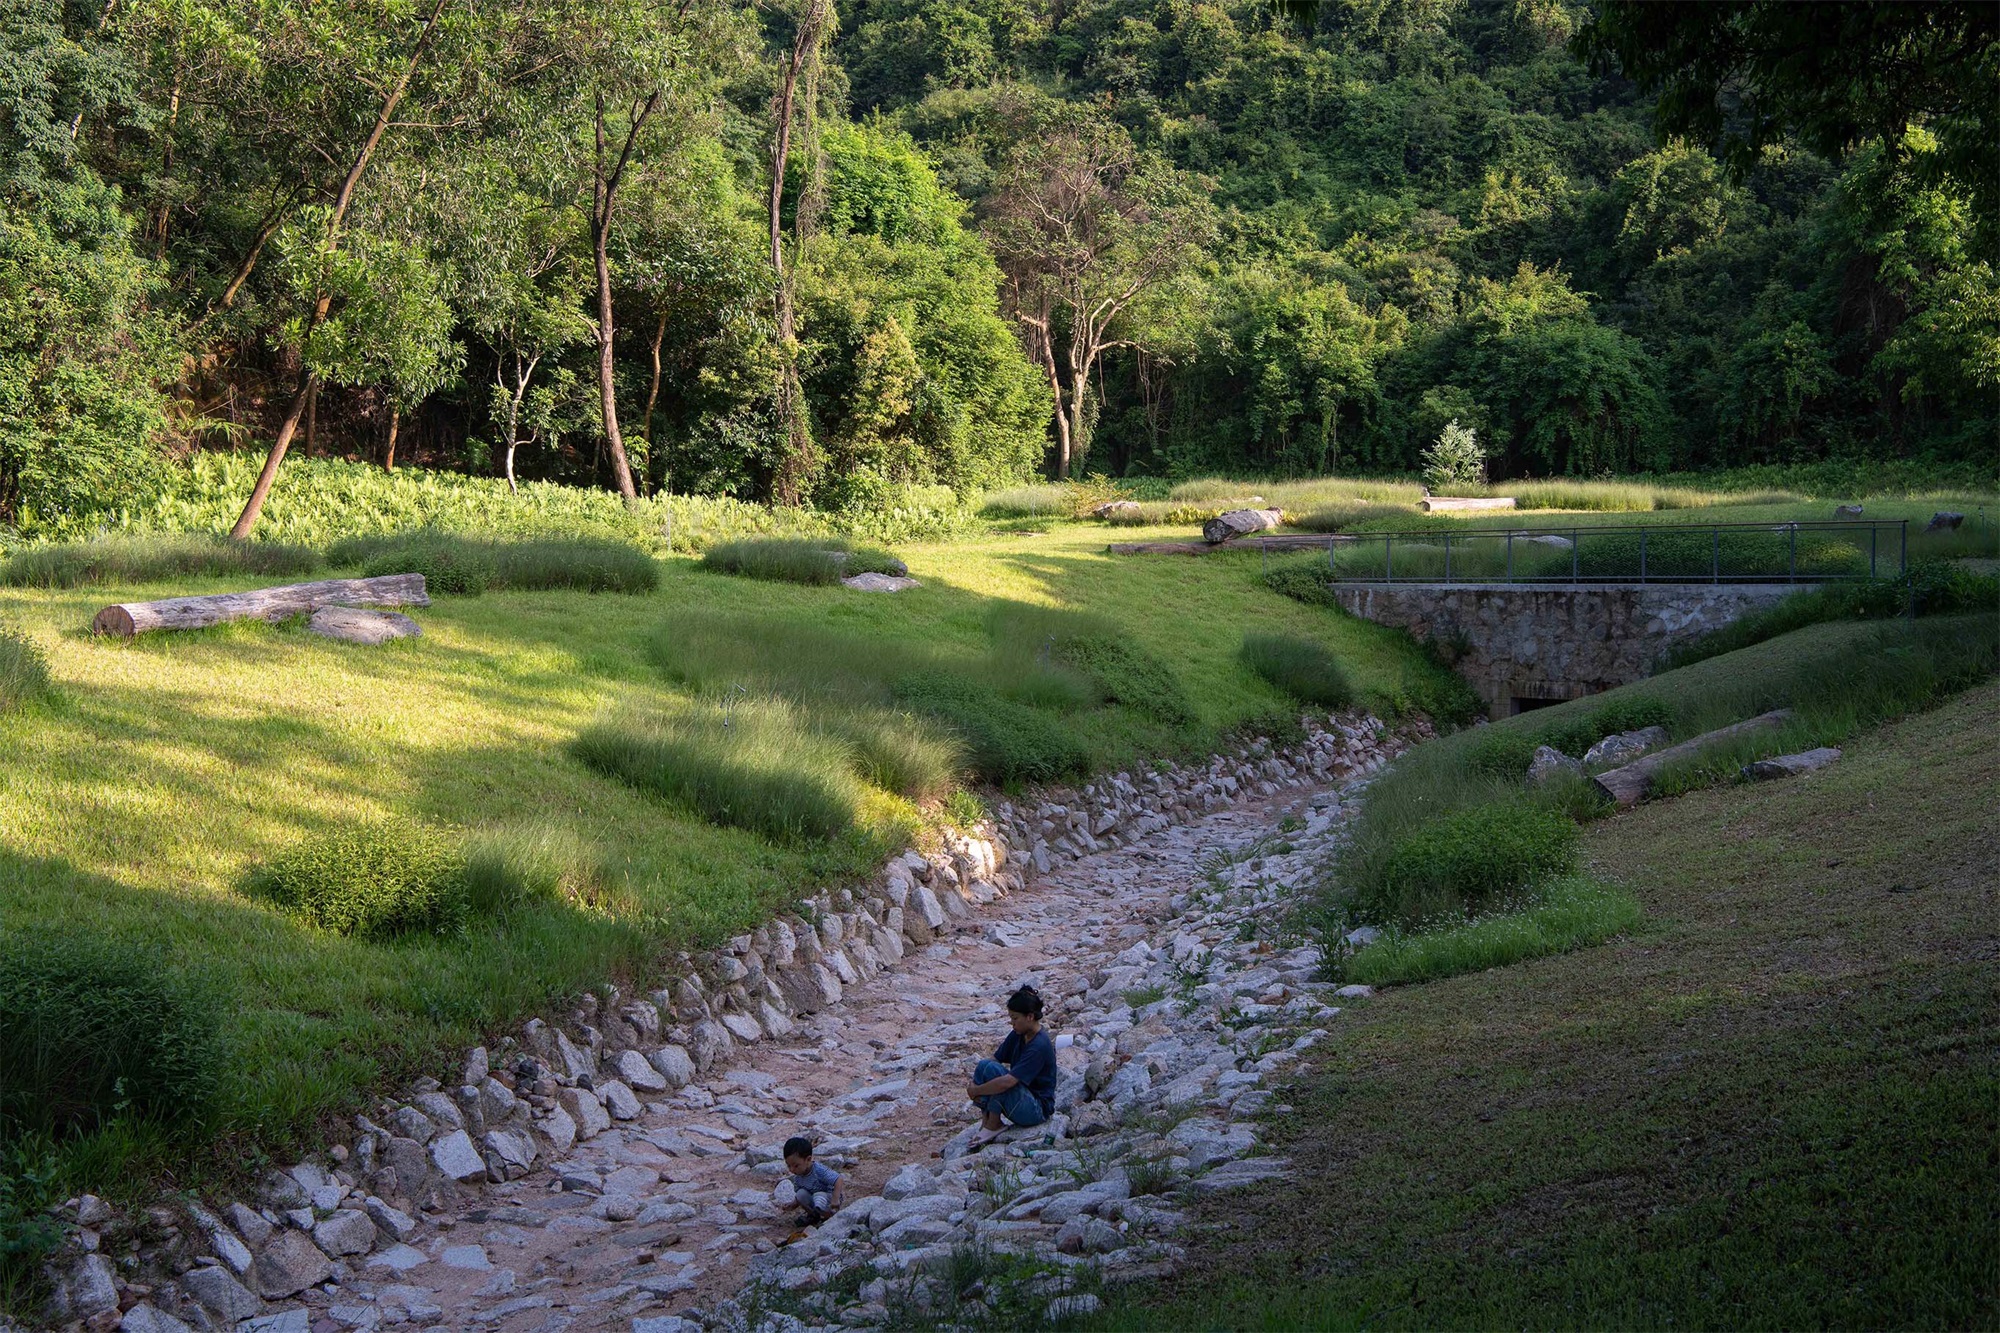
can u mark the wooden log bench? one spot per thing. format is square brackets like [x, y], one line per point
[1443, 504]
[129, 618]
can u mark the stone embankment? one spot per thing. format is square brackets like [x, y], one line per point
[600, 1171]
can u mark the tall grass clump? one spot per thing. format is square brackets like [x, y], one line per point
[1006, 742]
[24, 672]
[797, 560]
[454, 564]
[1928, 588]
[756, 766]
[94, 1031]
[373, 881]
[538, 863]
[1572, 913]
[1123, 671]
[1302, 668]
[151, 559]
[895, 751]
[1478, 858]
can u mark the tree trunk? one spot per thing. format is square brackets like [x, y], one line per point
[513, 436]
[790, 482]
[605, 179]
[1630, 784]
[247, 520]
[312, 419]
[395, 424]
[653, 396]
[130, 618]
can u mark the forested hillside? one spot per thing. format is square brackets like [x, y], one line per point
[540, 238]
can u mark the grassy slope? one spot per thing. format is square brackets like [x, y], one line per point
[166, 768]
[1774, 1106]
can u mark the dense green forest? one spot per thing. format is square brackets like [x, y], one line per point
[542, 239]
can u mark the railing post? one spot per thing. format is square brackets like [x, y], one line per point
[1715, 570]
[1642, 555]
[1447, 557]
[1575, 556]
[1873, 533]
[1792, 553]
[1510, 556]
[1903, 557]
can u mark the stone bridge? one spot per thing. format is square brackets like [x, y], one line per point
[1523, 646]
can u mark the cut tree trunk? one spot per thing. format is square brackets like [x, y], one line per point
[1439, 504]
[129, 618]
[1630, 784]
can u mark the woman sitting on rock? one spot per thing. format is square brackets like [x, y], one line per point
[1018, 1085]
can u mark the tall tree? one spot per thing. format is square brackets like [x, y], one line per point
[793, 114]
[322, 303]
[1084, 226]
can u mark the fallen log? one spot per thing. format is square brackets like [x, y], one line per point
[1438, 504]
[129, 618]
[1159, 548]
[1629, 785]
[1284, 541]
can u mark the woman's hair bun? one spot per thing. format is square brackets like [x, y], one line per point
[1026, 1001]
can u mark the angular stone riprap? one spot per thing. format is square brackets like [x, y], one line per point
[1550, 763]
[1791, 765]
[393, 1223]
[290, 1264]
[442, 1110]
[92, 1286]
[348, 1231]
[710, 1042]
[635, 1071]
[456, 1158]
[559, 1128]
[572, 1061]
[497, 1102]
[220, 1294]
[674, 1064]
[411, 1164]
[514, 1152]
[585, 1110]
[743, 1027]
[1625, 745]
[410, 1123]
[773, 1019]
[926, 904]
[619, 1100]
[249, 1223]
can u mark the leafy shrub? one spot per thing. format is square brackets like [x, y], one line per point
[373, 881]
[755, 766]
[1470, 860]
[1300, 667]
[28, 1235]
[24, 673]
[797, 560]
[541, 862]
[1457, 459]
[151, 559]
[1501, 752]
[1005, 741]
[92, 1031]
[1569, 914]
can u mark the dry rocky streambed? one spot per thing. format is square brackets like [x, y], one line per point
[615, 1172]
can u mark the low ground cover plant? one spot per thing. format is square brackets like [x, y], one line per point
[24, 671]
[467, 566]
[797, 560]
[374, 881]
[94, 1031]
[1570, 913]
[1301, 667]
[151, 559]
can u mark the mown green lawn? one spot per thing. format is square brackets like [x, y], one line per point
[136, 801]
[1774, 1105]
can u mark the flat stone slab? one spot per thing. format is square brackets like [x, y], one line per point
[872, 582]
[351, 624]
[1790, 765]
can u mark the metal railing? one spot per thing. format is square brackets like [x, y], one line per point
[1805, 552]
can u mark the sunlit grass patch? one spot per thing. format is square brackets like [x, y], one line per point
[1301, 667]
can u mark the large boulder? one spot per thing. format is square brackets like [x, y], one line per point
[1944, 520]
[290, 1264]
[1239, 523]
[1791, 765]
[1625, 746]
[1550, 763]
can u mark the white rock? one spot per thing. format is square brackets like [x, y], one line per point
[674, 1064]
[456, 1158]
[619, 1100]
[346, 1232]
[221, 1294]
[143, 1318]
[471, 1258]
[93, 1286]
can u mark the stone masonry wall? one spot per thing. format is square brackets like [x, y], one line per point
[1554, 642]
